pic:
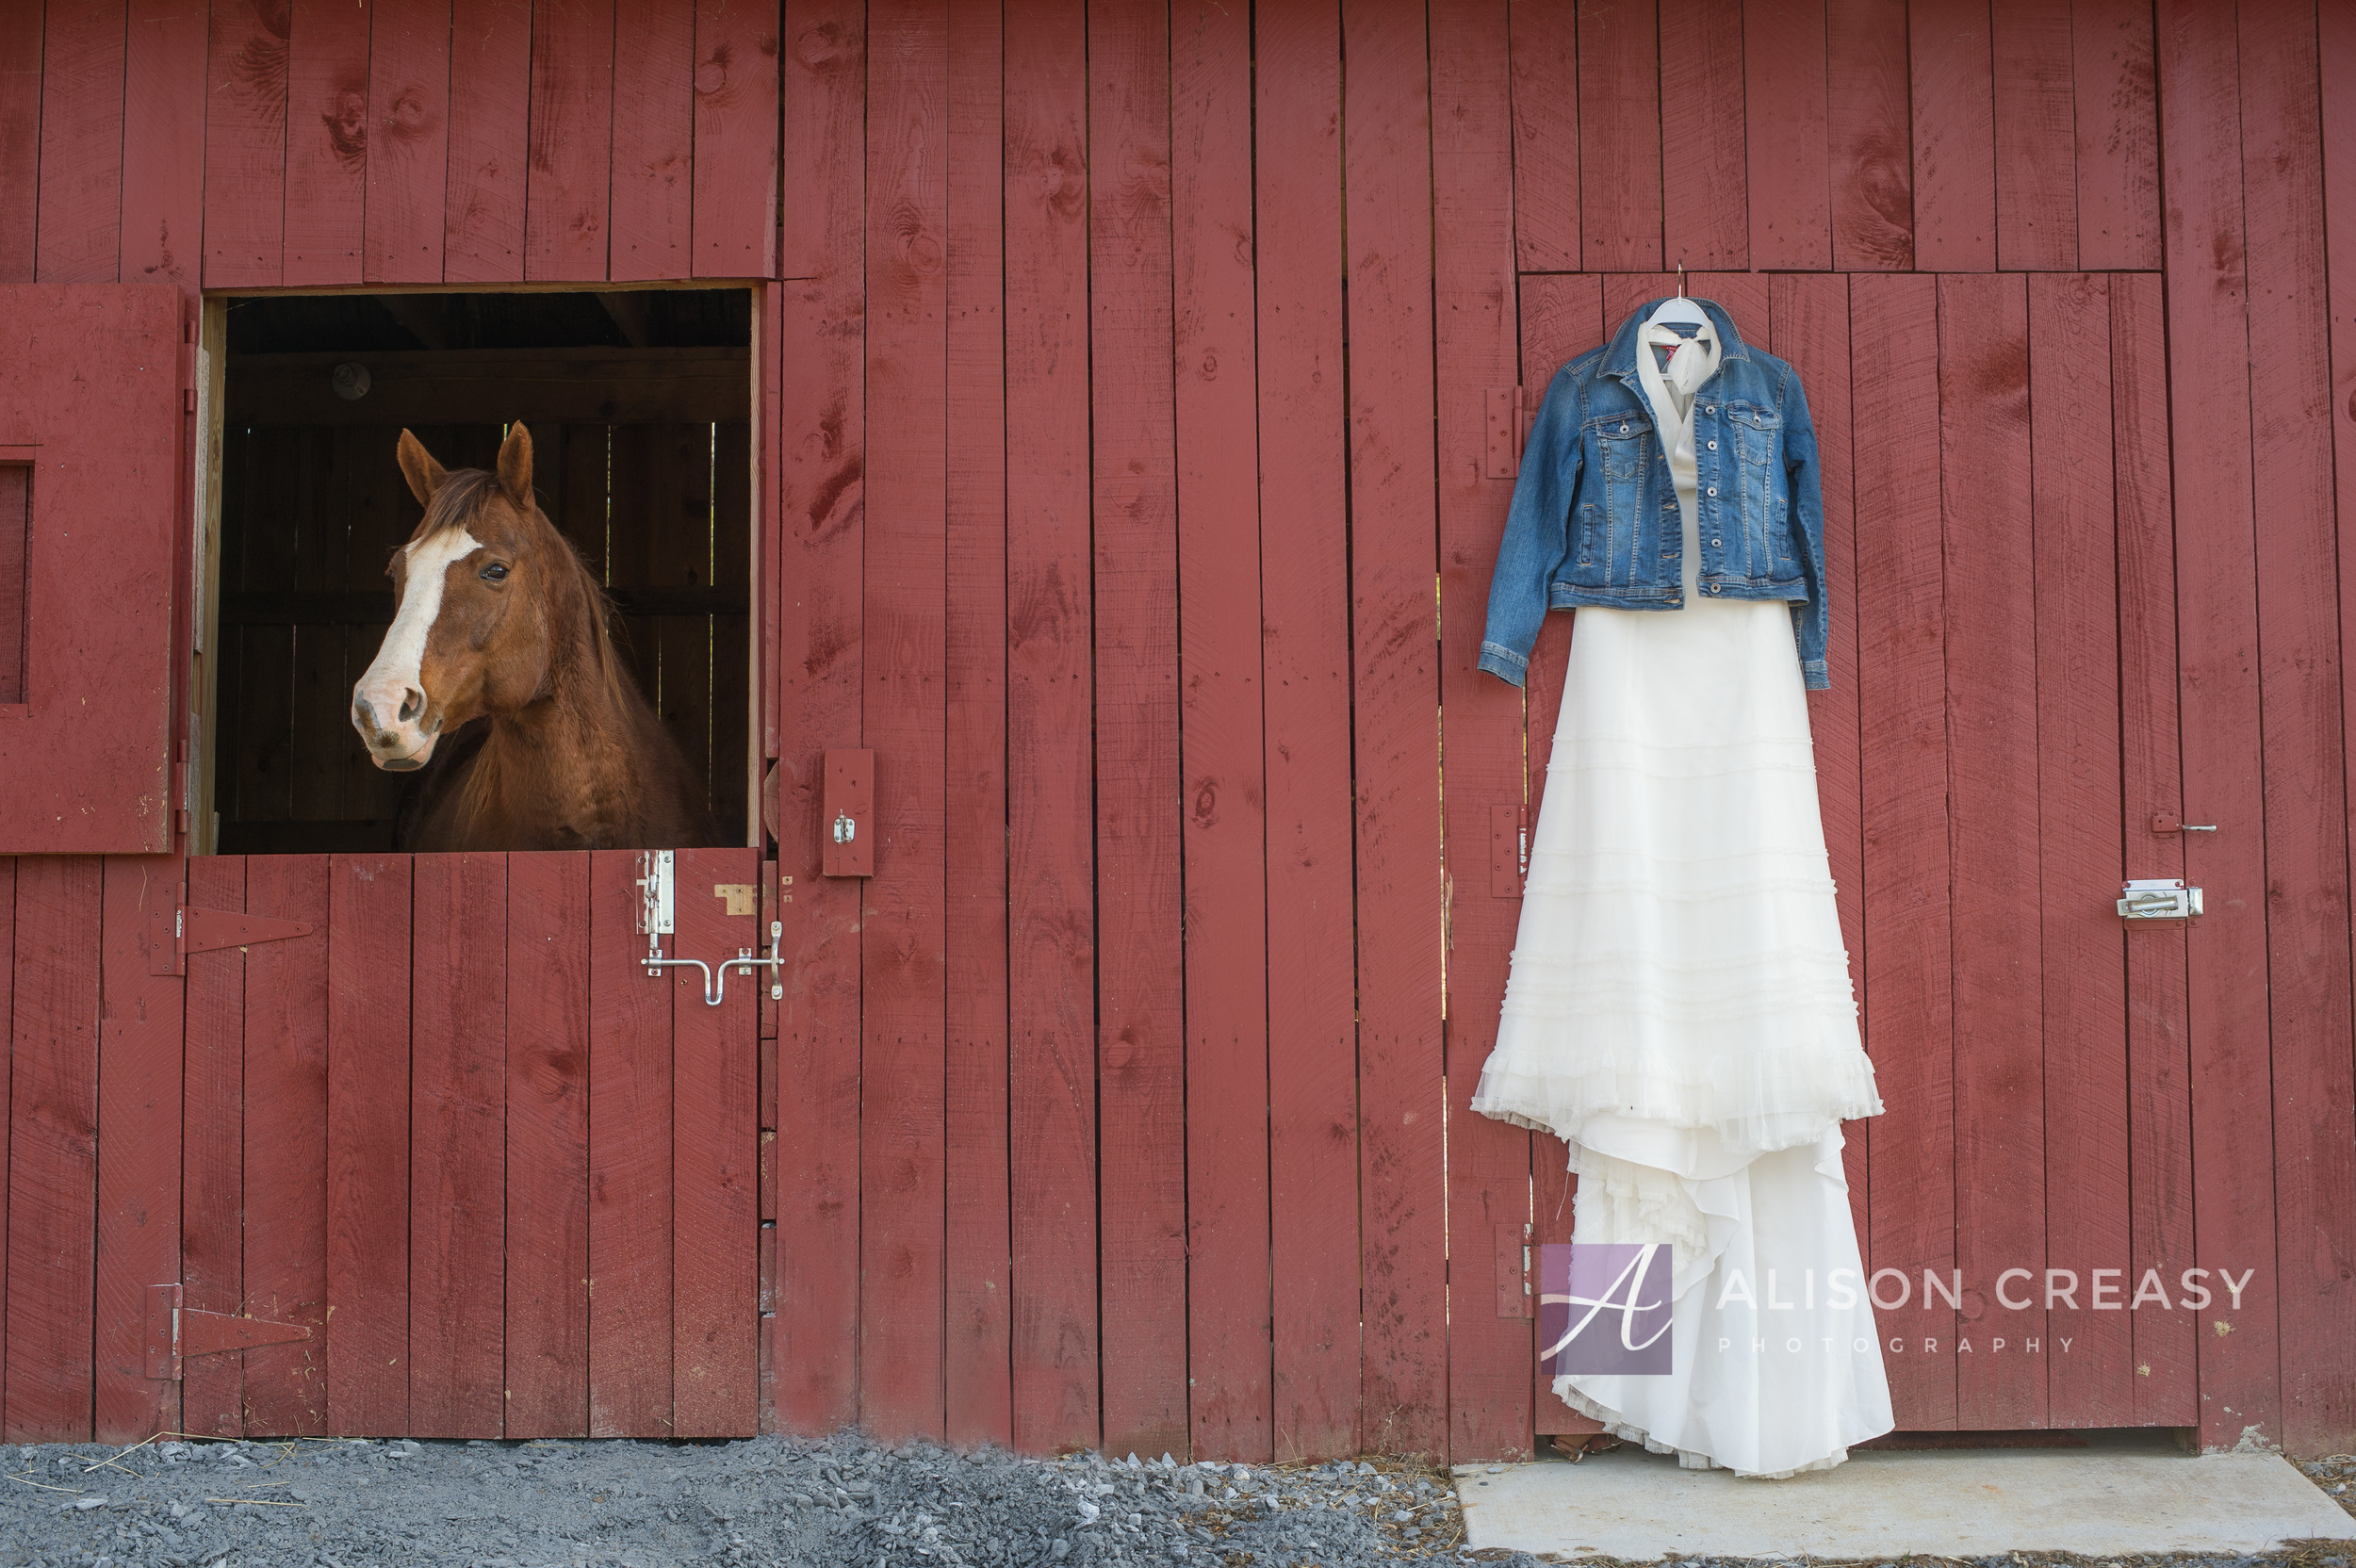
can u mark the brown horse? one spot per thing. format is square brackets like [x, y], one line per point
[497, 625]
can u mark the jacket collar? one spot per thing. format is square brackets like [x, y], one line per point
[1619, 358]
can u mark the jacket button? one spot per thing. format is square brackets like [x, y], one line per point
[1713, 489]
[1624, 430]
[1709, 408]
[1713, 446]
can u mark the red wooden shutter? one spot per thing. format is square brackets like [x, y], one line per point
[90, 421]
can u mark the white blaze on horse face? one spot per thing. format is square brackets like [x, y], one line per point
[389, 705]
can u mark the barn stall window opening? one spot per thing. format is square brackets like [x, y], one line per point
[637, 405]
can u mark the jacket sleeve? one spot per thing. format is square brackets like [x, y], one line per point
[1537, 533]
[1802, 466]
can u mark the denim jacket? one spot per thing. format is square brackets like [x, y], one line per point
[1595, 517]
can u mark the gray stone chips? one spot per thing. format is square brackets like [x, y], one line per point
[618, 1504]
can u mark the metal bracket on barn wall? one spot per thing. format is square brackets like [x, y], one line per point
[658, 906]
[848, 813]
[172, 936]
[175, 1332]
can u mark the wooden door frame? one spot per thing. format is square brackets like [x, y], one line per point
[203, 623]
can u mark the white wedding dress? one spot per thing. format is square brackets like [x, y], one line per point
[1679, 1013]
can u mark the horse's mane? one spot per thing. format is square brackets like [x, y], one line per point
[464, 495]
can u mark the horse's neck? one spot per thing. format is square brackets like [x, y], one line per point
[572, 759]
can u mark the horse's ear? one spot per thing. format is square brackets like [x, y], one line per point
[425, 476]
[516, 466]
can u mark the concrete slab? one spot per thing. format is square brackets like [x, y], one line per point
[2097, 1501]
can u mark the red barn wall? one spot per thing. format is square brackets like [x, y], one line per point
[1128, 370]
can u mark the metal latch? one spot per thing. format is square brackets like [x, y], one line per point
[175, 1332]
[2158, 898]
[844, 828]
[656, 915]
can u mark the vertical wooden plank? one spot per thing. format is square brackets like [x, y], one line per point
[1808, 320]
[1788, 133]
[1305, 686]
[2159, 1107]
[1901, 698]
[2335, 47]
[2210, 420]
[730, 638]
[1052, 974]
[458, 1110]
[1619, 137]
[327, 140]
[245, 146]
[20, 134]
[163, 144]
[1992, 645]
[408, 179]
[53, 1151]
[286, 1144]
[548, 923]
[2307, 974]
[900, 924]
[2080, 844]
[1705, 218]
[81, 141]
[212, 1162]
[2118, 127]
[1231, 1410]
[8, 990]
[1955, 137]
[139, 1144]
[1544, 49]
[368, 958]
[490, 132]
[820, 446]
[1140, 1046]
[1561, 318]
[654, 127]
[630, 1164]
[736, 141]
[2037, 140]
[975, 1367]
[715, 1161]
[1387, 135]
[566, 196]
[1867, 111]
[1489, 1405]
[677, 537]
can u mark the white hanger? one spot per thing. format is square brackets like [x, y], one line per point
[1678, 309]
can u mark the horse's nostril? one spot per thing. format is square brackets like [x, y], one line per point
[364, 712]
[411, 703]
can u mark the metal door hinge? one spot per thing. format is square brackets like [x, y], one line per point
[2158, 898]
[658, 914]
[175, 1332]
[1512, 1273]
[171, 937]
[2167, 822]
[1508, 850]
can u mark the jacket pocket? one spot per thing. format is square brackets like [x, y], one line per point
[1757, 434]
[1624, 445]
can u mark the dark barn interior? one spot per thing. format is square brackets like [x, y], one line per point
[638, 406]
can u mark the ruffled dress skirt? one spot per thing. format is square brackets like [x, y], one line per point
[1679, 1013]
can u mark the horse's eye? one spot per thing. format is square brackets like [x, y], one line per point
[495, 573]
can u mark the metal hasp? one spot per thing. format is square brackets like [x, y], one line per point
[171, 938]
[2158, 898]
[175, 1332]
[657, 909]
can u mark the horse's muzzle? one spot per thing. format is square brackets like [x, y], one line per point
[402, 746]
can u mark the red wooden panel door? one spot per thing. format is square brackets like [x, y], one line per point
[90, 420]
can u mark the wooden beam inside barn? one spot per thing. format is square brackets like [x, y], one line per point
[619, 386]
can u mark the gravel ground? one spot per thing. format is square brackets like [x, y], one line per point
[344, 1504]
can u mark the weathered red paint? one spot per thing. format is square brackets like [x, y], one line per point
[1134, 545]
